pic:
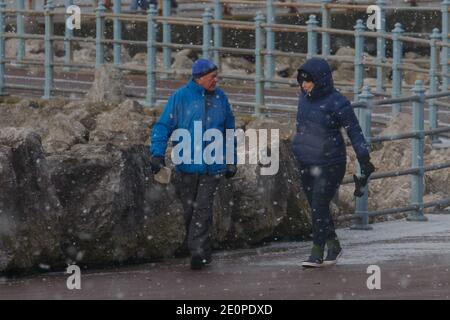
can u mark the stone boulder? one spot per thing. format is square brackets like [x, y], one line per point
[30, 212]
[344, 52]
[125, 125]
[139, 62]
[189, 53]
[86, 112]
[140, 58]
[113, 210]
[286, 67]
[57, 129]
[344, 71]
[84, 52]
[410, 77]
[238, 64]
[34, 49]
[415, 56]
[108, 86]
[263, 207]
[63, 133]
[283, 67]
[438, 180]
[182, 64]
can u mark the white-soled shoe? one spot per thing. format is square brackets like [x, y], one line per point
[332, 257]
[313, 262]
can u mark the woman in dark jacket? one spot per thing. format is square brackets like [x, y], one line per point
[320, 149]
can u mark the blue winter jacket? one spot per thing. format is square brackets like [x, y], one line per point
[320, 116]
[188, 104]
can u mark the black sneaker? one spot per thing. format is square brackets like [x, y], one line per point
[313, 262]
[198, 262]
[207, 260]
[333, 254]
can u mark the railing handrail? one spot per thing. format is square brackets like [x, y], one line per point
[410, 98]
[320, 5]
[244, 24]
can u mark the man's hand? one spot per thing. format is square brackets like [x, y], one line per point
[231, 171]
[157, 163]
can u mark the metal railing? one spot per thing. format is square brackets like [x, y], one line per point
[417, 170]
[212, 44]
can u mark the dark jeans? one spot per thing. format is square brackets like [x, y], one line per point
[320, 185]
[197, 196]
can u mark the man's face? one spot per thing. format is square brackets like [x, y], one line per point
[209, 81]
[307, 86]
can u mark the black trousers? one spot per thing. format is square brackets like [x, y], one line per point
[197, 196]
[320, 184]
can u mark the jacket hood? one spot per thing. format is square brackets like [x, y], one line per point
[321, 75]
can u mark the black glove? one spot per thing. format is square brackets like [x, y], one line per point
[367, 168]
[231, 171]
[157, 163]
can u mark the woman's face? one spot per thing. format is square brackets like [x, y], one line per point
[307, 86]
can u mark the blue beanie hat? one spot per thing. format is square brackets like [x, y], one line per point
[202, 67]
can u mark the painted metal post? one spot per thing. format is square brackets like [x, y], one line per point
[218, 15]
[434, 83]
[418, 144]
[48, 61]
[20, 26]
[381, 45]
[312, 36]
[100, 28]
[68, 35]
[150, 98]
[396, 72]
[326, 23]
[445, 50]
[207, 32]
[167, 38]
[259, 74]
[359, 57]
[365, 122]
[2, 47]
[117, 26]
[270, 44]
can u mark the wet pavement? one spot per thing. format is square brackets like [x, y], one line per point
[413, 257]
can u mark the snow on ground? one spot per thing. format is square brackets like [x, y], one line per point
[393, 240]
[274, 272]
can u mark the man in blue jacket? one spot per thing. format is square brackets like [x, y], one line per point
[197, 105]
[320, 149]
